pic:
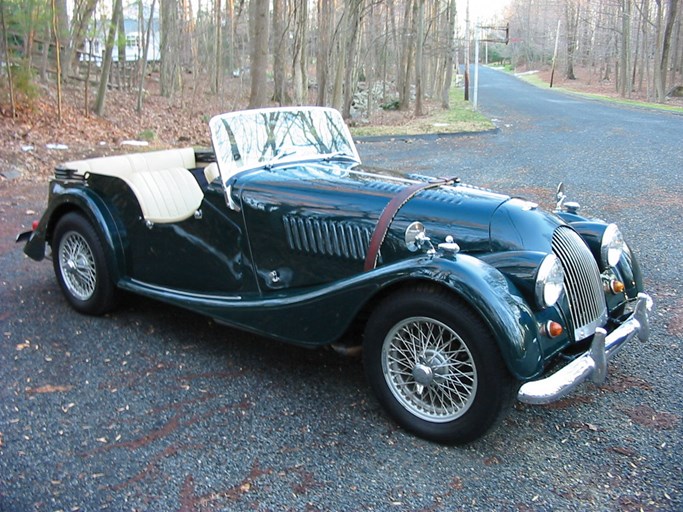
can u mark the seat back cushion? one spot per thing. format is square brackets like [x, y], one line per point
[211, 172]
[166, 195]
[124, 165]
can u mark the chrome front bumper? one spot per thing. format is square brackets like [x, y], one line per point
[593, 363]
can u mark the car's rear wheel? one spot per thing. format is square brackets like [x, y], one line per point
[435, 366]
[80, 265]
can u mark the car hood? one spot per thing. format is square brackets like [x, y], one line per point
[479, 220]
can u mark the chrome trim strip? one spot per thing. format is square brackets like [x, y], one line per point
[592, 363]
[180, 293]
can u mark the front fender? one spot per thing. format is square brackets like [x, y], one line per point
[499, 303]
[65, 199]
[628, 269]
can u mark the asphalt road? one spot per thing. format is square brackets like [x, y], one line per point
[155, 408]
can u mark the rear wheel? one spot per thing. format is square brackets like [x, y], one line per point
[80, 266]
[435, 366]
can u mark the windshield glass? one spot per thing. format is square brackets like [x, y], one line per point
[265, 137]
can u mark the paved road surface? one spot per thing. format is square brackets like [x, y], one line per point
[154, 408]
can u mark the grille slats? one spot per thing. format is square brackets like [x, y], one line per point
[326, 237]
[582, 282]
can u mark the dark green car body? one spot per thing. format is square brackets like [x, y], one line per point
[281, 250]
[289, 264]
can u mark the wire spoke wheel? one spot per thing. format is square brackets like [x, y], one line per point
[80, 265]
[435, 366]
[77, 264]
[429, 369]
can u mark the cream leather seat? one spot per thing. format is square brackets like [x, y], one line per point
[166, 195]
[165, 189]
[211, 172]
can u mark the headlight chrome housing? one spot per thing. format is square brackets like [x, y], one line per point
[549, 281]
[612, 246]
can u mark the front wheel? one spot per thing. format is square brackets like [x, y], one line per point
[435, 366]
[80, 265]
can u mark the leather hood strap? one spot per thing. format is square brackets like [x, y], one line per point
[390, 211]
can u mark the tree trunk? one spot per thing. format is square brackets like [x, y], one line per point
[80, 23]
[571, 12]
[106, 64]
[299, 72]
[8, 62]
[258, 34]
[279, 53]
[419, 20]
[168, 48]
[446, 87]
[58, 53]
[61, 30]
[325, 15]
[666, 48]
[625, 86]
[354, 17]
[121, 51]
[403, 78]
[145, 50]
[217, 48]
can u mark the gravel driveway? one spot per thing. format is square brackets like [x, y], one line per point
[155, 408]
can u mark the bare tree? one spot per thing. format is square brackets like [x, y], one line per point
[299, 61]
[325, 22]
[169, 48]
[145, 51]
[660, 78]
[571, 15]
[419, 22]
[106, 64]
[280, 31]
[258, 34]
[448, 78]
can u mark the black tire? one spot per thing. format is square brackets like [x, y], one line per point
[435, 366]
[81, 267]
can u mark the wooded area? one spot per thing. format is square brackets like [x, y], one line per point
[355, 55]
[635, 44]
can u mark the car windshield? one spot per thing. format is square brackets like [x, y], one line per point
[267, 137]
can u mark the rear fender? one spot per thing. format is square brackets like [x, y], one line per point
[69, 199]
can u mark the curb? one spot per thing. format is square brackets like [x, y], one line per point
[422, 136]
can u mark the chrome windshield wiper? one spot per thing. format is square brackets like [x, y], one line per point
[277, 157]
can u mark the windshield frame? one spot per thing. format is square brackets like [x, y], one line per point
[250, 125]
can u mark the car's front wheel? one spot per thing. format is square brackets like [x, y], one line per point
[80, 265]
[435, 366]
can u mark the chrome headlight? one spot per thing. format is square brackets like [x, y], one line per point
[549, 281]
[612, 246]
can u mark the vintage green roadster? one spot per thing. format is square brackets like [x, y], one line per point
[461, 299]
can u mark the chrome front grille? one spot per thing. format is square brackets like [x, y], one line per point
[582, 282]
[327, 237]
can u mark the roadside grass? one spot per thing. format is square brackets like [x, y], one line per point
[534, 79]
[459, 118]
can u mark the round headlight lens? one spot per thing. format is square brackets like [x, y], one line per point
[549, 281]
[612, 246]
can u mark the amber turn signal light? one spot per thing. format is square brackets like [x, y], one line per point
[553, 329]
[617, 287]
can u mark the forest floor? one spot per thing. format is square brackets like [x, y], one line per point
[36, 140]
[587, 83]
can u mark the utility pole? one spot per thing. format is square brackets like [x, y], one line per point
[467, 51]
[557, 40]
